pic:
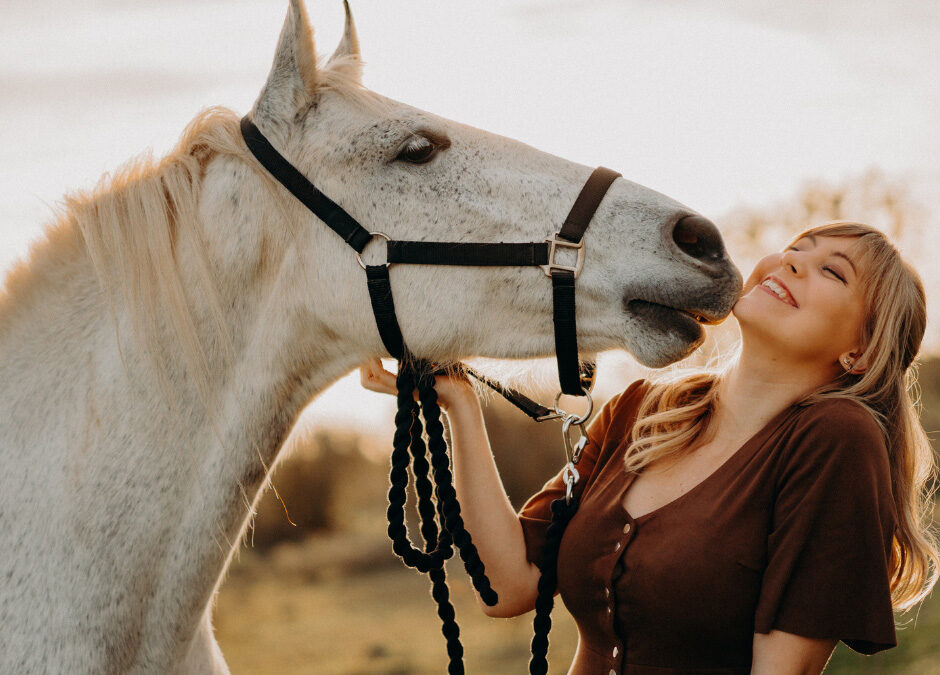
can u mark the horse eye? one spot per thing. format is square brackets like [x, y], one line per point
[418, 150]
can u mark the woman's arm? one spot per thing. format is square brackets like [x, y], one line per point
[779, 653]
[486, 511]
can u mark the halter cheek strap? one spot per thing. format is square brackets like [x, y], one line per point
[572, 231]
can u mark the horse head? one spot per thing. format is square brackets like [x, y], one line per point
[654, 271]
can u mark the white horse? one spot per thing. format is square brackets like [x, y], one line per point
[158, 345]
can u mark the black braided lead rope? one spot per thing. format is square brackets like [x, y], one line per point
[562, 513]
[446, 495]
[409, 447]
[405, 418]
[432, 540]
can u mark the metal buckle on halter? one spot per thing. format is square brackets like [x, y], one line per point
[554, 242]
[374, 234]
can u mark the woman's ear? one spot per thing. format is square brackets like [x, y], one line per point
[852, 363]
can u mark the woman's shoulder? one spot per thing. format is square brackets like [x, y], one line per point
[838, 417]
[837, 430]
[624, 404]
[616, 415]
[632, 394]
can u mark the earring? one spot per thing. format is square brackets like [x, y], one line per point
[847, 363]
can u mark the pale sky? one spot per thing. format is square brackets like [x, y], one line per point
[716, 104]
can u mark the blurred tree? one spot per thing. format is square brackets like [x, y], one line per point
[870, 197]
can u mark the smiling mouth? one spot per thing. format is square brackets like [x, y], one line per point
[770, 292]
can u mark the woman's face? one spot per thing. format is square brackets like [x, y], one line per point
[822, 317]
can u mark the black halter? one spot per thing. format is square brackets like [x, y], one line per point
[576, 379]
[542, 254]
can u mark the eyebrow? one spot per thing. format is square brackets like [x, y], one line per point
[839, 254]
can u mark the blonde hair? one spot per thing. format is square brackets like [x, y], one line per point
[676, 409]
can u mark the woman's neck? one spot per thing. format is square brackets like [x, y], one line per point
[758, 386]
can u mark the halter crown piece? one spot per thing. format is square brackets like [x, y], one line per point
[576, 379]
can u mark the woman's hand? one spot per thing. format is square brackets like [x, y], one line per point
[450, 389]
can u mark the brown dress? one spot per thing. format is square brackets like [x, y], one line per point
[793, 532]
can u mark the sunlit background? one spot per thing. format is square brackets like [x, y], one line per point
[762, 115]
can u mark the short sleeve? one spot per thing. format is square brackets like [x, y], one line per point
[830, 541]
[535, 515]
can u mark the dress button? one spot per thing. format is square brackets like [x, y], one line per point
[609, 609]
[616, 651]
[626, 528]
[617, 547]
[606, 592]
[613, 672]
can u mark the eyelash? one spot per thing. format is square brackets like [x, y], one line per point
[794, 248]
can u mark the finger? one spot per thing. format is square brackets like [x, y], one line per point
[369, 375]
[374, 377]
[372, 368]
[382, 375]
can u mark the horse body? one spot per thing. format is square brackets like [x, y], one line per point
[151, 372]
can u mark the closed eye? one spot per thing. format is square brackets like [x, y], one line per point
[834, 273]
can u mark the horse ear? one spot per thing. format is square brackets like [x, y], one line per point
[346, 56]
[292, 82]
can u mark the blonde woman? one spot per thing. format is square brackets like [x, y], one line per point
[743, 519]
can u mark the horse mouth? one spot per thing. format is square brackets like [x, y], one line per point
[686, 325]
[658, 312]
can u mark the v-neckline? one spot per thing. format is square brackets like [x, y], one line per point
[731, 462]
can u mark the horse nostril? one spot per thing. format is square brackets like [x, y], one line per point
[699, 238]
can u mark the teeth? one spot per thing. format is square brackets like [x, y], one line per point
[776, 288]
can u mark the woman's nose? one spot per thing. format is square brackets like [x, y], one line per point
[788, 259]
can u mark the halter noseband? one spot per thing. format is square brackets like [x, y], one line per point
[408, 444]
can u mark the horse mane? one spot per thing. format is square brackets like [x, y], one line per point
[128, 226]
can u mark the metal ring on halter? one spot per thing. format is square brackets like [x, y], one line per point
[374, 234]
[577, 420]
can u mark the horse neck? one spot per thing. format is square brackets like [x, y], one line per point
[151, 498]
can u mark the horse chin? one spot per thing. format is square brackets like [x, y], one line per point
[661, 335]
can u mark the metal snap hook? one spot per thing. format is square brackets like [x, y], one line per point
[571, 478]
[573, 450]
